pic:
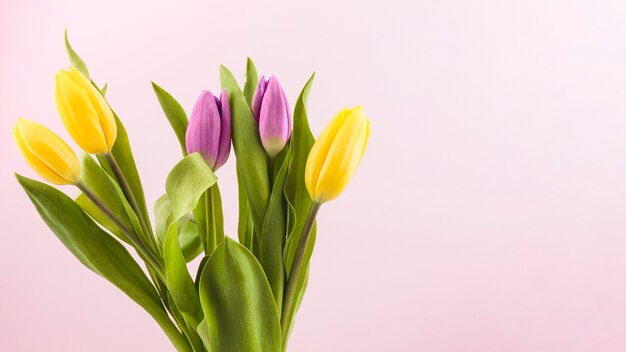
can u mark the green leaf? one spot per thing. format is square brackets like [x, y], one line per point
[188, 233]
[245, 228]
[249, 150]
[210, 218]
[123, 154]
[203, 332]
[104, 88]
[252, 80]
[75, 60]
[186, 183]
[274, 232]
[100, 183]
[189, 239]
[298, 198]
[178, 280]
[175, 114]
[162, 218]
[301, 142]
[96, 214]
[98, 251]
[237, 301]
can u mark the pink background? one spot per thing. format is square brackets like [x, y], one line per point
[489, 213]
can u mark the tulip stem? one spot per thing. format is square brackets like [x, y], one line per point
[128, 193]
[296, 268]
[130, 235]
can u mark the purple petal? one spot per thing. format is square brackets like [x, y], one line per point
[274, 118]
[203, 131]
[257, 100]
[225, 131]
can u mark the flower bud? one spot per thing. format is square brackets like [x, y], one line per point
[46, 153]
[271, 110]
[84, 111]
[336, 154]
[209, 131]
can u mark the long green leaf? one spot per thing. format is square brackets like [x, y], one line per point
[245, 228]
[189, 236]
[179, 282]
[298, 198]
[274, 233]
[249, 150]
[75, 59]
[252, 79]
[98, 181]
[186, 183]
[175, 114]
[237, 301]
[123, 154]
[210, 218]
[98, 251]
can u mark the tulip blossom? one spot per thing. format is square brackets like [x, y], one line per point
[84, 111]
[271, 111]
[209, 129]
[336, 154]
[46, 153]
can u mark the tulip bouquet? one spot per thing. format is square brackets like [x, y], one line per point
[245, 293]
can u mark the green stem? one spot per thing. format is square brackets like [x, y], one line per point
[128, 193]
[271, 161]
[213, 219]
[296, 268]
[145, 255]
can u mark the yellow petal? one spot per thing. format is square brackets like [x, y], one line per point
[318, 152]
[100, 105]
[78, 114]
[46, 153]
[343, 157]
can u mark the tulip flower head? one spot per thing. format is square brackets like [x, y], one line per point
[84, 111]
[209, 129]
[46, 153]
[271, 111]
[336, 154]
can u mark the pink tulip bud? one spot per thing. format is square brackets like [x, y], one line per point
[271, 110]
[209, 129]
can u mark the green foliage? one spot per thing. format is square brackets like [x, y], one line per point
[237, 302]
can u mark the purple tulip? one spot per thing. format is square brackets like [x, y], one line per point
[271, 111]
[208, 132]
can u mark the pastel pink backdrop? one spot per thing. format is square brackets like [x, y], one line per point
[489, 213]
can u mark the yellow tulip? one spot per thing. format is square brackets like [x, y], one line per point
[46, 153]
[336, 154]
[84, 111]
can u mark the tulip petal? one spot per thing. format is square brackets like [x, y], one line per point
[275, 118]
[204, 127]
[257, 100]
[100, 105]
[46, 153]
[225, 130]
[344, 155]
[78, 114]
[318, 152]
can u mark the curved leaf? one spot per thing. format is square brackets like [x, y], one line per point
[237, 301]
[249, 150]
[298, 198]
[123, 154]
[188, 232]
[178, 280]
[272, 239]
[76, 60]
[98, 251]
[186, 183]
[175, 114]
[252, 79]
